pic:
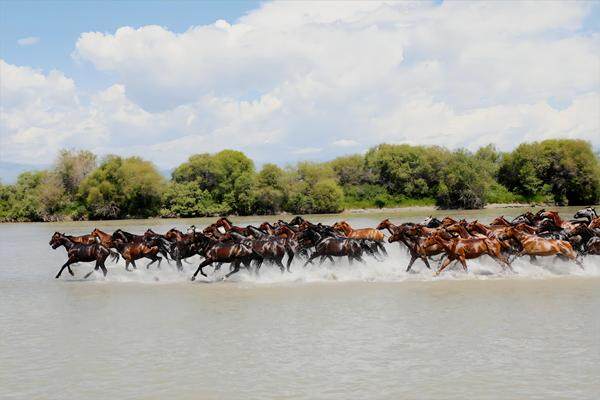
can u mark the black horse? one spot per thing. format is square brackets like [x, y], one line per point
[78, 252]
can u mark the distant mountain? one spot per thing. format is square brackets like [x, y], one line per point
[10, 171]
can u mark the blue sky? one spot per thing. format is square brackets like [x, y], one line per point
[58, 24]
[288, 81]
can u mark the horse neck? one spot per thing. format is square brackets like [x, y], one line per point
[447, 245]
[68, 243]
[463, 232]
[555, 218]
[478, 227]
[344, 226]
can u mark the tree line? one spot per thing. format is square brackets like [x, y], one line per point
[80, 186]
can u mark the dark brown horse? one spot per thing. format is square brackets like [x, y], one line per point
[224, 252]
[79, 252]
[338, 247]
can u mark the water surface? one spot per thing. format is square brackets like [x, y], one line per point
[331, 332]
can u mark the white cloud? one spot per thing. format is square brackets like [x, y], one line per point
[28, 41]
[295, 79]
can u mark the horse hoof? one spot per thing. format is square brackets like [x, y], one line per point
[193, 278]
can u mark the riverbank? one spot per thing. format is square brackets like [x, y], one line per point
[435, 208]
[402, 210]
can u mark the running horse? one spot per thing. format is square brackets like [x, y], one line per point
[223, 252]
[460, 249]
[364, 233]
[81, 252]
[535, 246]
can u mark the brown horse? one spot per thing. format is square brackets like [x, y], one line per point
[80, 252]
[387, 224]
[337, 247]
[228, 226]
[464, 249]
[105, 238]
[558, 221]
[131, 251]
[420, 244]
[500, 221]
[536, 246]
[224, 252]
[83, 239]
[363, 233]
[374, 235]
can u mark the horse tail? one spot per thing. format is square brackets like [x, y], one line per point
[113, 255]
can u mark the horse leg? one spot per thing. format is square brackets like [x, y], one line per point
[203, 264]
[443, 267]
[463, 262]
[103, 268]
[65, 265]
[330, 259]
[133, 263]
[179, 265]
[382, 248]
[154, 259]
[310, 259]
[413, 258]
[280, 264]
[98, 262]
[236, 268]
[289, 261]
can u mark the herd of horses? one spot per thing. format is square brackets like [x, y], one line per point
[544, 233]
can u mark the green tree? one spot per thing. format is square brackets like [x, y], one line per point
[464, 183]
[412, 171]
[227, 175]
[123, 187]
[269, 193]
[351, 170]
[189, 200]
[568, 169]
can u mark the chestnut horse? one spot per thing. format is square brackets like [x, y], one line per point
[105, 238]
[464, 249]
[132, 251]
[536, 246]
[364, 233]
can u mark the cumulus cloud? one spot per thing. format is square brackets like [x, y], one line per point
[293, 79]
[28, 41]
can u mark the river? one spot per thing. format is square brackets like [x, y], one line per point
[331, 332]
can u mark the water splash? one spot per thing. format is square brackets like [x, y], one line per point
[391, 269]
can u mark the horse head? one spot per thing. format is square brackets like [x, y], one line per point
[589, 213]
[57, 240]
[384, 224]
